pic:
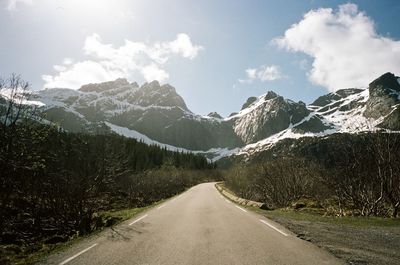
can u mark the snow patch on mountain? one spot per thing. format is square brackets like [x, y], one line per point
[21, 97]
[213, 154]
[141, 137]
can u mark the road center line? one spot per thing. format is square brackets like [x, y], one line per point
[76, 255]
[273, 227]
[137, 220]
[240, 208]
[158, 208]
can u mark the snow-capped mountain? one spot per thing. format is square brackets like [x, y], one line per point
[344, 111]
[156, 114]
[153, 110]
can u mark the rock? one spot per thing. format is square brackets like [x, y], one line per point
[249, 101]
[110, 221]
[270, 95]
[384, 93]
[314, 125]
[98, 221]
[272, 115]
[387, 80]
[265, 206]
[214, 115]
[391, 121]
[298, 205]
[100, 87]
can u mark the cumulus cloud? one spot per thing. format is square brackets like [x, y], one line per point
[12, 4]
[153, 72]
[263, 73]
[345, 48]
[106, 62]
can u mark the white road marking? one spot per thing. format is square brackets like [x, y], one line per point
[227, 201]
[158, 208]
[273, 227]
[76, 255]
[240, 208]
[137, 220]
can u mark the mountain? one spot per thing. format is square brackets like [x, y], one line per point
[153, 110]
[156, 114]
[349, 110]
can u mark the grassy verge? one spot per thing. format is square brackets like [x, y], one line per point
[355, 240]
[307, 215]
[13, 254]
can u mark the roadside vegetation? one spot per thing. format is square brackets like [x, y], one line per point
[346, 175]
[56, 186]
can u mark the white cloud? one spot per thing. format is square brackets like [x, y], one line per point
[107, 62]
[12, 4]
[344, 45]
[263, 73]
[153, 72]
[67, 61]
[184, 46]
[81, 73]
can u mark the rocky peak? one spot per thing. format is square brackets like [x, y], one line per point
[101, 87]
[270, 95]
[272, 114]
[383, 84]
[384, 94]
[153, 94]
[248, 102]
[335, 96]
[214, 115]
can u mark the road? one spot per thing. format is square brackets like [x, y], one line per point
[197, 227]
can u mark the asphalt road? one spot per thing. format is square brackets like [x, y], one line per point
[197, 227]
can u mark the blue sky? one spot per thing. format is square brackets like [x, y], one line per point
[216, 53]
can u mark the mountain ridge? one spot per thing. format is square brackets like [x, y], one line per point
[160, 114]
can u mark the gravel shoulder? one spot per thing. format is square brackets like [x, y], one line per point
[354, 240]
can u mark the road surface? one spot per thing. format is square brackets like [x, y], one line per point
[197, 227]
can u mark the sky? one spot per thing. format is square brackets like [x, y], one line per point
[216, 53]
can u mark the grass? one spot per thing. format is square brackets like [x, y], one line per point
[129, 213]
[46, 250]
[316, 215]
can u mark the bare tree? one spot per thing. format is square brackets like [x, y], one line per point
[386, 153]
[15, 91]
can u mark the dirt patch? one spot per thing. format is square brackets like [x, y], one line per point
[354, 244]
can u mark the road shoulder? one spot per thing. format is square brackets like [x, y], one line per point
[355, 240]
